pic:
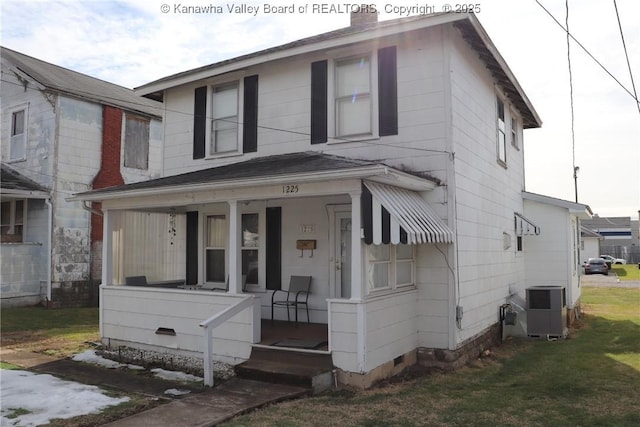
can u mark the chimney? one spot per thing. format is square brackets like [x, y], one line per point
[364, 14]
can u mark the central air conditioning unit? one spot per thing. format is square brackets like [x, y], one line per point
[546, 311]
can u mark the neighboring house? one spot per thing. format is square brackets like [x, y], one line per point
[384, 159]
[620, 237]
[554, 259]
[590, 244]
[25, 239]
[64, 132]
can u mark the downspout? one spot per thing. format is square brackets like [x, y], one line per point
[49, 248]
[90, 209]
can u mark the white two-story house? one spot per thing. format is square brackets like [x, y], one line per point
[384, 160]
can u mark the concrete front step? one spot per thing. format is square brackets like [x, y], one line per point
[311, 370]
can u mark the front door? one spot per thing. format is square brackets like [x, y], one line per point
[343, 254]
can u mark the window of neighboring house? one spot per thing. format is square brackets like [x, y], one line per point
[18, 142]
[224, 122]
[514, 132]
[390, 266]
[250, 243]
[502, 145]
[353, 97]
[12, 218]
[215, 249]
[136, 142]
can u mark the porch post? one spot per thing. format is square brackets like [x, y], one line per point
[107, 249]
[235, 261]
[356, 248]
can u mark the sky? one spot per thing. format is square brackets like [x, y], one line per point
[30, 399]
[133, 42]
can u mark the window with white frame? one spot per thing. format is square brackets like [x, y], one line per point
[136, 142]
[18, 141]
[514, 132]
[502, 138]
[224, 122]
[12, 216]
[353, 96]
[390, 266]
[215, 249]
[250, 247]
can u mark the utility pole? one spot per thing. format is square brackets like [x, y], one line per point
[575, 180]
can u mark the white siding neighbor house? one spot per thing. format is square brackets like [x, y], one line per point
[63, 132]
[383, 160]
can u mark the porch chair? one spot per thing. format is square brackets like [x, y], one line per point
[135, 281]
[297, 295]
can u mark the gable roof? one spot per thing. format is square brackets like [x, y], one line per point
[13, 182]
[78, 85]
[467, 23]
[270, 169]
[579, 209]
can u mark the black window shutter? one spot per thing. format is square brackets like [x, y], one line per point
[366, 201]
[274, 248]
[192, 248]
[319, 102]
[387, 91]
[250, 127]
[199, 122]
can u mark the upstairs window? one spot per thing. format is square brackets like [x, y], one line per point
[224, 119]
[514, 132]
[353, 97]
[12, 215]
[18, 142]
[502, 138]
[136, 142]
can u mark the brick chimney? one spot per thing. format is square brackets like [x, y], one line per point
[364, 14]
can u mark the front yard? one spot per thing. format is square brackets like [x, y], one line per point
[590, 379]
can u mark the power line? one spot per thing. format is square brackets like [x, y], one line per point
[626, 54]
[587, 52]
[573, 133]
[305, 134]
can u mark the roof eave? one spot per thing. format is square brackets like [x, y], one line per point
[268, 55]
[380, 173]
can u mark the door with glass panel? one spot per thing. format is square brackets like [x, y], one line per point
[343, 254]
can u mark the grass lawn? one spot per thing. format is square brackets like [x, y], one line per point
[57, 332]
[626, 271]
[590, 379]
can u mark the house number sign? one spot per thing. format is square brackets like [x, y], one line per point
[290, 189]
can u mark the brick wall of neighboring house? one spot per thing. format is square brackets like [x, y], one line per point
[109, 175]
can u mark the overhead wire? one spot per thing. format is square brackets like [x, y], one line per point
[573, 133]
[626, 54]
[586, 51]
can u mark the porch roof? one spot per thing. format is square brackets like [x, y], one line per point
[304, 166]
[14, 183]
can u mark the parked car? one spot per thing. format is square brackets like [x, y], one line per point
[595, 266]
[612, 260]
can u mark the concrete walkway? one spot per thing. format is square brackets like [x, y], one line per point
[203, 407]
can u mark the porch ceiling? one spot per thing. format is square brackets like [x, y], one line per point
[280, 169]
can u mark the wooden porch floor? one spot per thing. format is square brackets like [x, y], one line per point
[277, 332]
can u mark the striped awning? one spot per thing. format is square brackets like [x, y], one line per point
[524, 226]
[396, 215]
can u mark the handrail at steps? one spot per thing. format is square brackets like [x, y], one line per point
[215, 321]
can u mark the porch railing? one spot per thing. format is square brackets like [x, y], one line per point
[213, 322]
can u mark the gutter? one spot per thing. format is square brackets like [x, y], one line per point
[49, 248]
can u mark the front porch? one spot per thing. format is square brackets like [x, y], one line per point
[354, 234]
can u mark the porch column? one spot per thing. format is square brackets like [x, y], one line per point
[107, 248]
[235, 260]
[356, 248]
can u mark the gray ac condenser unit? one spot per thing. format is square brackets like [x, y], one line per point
[546, 311]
